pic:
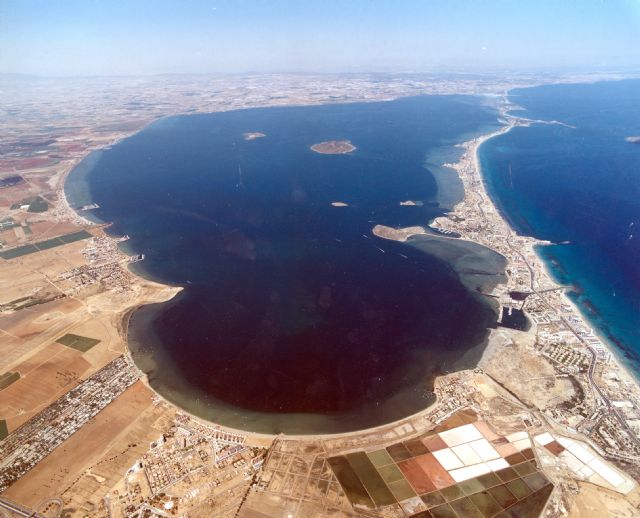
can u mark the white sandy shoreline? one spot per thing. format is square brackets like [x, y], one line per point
[610, 346]
[474, 147]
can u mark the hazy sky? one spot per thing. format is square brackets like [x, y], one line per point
[80, 37]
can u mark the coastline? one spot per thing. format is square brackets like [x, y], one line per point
[547, 269]
[132, 309]
[512, 382]
[474, 185]
[438, 410]
[159, 292]
[478, 218]
[612, 348]
[470, 171]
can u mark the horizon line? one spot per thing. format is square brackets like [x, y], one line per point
[486, 71]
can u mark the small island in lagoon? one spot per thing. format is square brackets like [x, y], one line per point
[334, 147]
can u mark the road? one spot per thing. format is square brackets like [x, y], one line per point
[592, 366]
[18, 509]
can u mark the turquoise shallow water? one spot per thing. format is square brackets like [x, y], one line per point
[579, 186]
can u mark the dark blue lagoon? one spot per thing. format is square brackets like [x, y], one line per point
[578, 185]
[294, 317]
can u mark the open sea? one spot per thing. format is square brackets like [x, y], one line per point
[294, 317]
[579, 187]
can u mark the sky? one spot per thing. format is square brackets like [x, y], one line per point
[141, 37]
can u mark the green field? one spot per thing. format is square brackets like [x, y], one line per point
[351, 484]
[380, 458]
[4, 431]
[38, 204]
[44, 245]
[35, 203]
[8, 378]
[371, 479]
[81, 343]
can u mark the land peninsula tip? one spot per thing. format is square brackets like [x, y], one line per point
[397, 234]
[334, 147]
